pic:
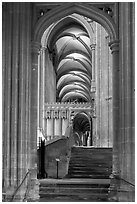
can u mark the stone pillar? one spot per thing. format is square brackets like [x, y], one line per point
[93, 61]
[42, 88]
[114, 46]
[93, 85]
[16, 66]
[88, 140]
[34, 192]
[93, 131]
[6, 61]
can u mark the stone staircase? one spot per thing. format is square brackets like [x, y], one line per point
[74, 190]
[87, 179]
[94, 163]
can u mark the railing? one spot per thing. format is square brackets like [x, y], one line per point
[126, 181]
[17, 189]
[119, 178]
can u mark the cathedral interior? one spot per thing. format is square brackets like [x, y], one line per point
[68, 87]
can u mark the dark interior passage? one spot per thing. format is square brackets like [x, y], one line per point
[82, 130]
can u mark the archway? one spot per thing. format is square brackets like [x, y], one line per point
[107, 22]
[82, 129]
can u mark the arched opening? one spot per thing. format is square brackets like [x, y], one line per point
[82, 129]
[63, 93]
[37, 24]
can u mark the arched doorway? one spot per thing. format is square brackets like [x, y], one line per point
[82, 129]
[109, 25]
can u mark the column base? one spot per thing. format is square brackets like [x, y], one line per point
[33, 187]
[11, 196]
[33, 195]
[120, 190]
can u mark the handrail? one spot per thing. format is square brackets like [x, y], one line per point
[126, 181]
[15, 192]
[27, 190]
[119, 178]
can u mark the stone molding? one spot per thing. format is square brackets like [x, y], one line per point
[67, 9]
[114, 46]
[93, 46]
[35, 47]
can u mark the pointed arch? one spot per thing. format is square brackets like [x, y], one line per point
[80, 8]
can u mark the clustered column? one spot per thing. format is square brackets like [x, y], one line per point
[34, 192]
[16, 73]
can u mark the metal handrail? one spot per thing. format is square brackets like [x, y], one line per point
[126, 181]
[15, 192]
[27, 190]
[119, 178]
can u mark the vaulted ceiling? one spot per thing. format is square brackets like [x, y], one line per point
[81, 123]
[70, 44]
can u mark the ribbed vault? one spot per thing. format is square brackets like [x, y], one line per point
[71, 52]
[81, 123]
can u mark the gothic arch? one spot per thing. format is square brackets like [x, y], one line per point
[79, 8]
[107, 22]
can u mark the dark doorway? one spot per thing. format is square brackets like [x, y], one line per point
[82, 130]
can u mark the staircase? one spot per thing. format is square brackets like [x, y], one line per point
[87, 179]
[94, 163]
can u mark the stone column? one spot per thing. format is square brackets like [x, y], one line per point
[93, 61]
[16, 65]
[34, 192]
[114, 46]
[42, 89]
[7, 11]
[93, 85]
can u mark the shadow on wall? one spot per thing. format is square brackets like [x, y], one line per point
[57, 155]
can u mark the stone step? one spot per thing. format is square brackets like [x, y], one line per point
[74, 190]
[92, 176]
[98, 157]
[75, 186]
[74, 197]
[90, 165]
[91, 152]
[88, 162]
[74, 182]
[85, 166]
[89, 172]
[47, 190]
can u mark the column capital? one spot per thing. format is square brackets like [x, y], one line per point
[35, 47]
[43, 48]
[93, 46]
[114, 46]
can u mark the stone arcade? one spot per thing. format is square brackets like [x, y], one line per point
[67, 66]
